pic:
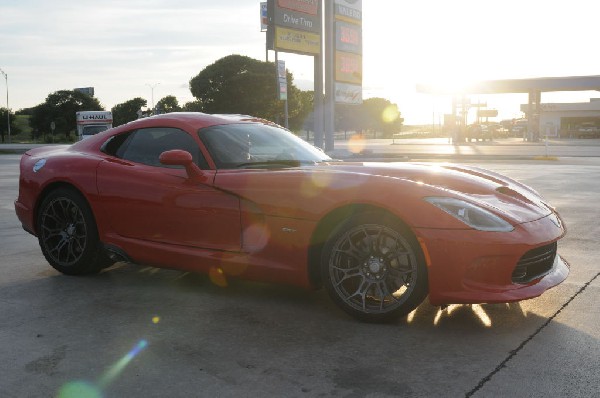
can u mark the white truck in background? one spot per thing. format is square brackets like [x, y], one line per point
[92, 122]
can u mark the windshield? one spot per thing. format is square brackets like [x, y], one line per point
[93, 129]
[250, 145]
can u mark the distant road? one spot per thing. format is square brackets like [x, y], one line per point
[440, 147]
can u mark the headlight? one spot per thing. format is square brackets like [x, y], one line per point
[470, 214]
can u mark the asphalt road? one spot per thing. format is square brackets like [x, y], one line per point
[440, 148]
[136, 331]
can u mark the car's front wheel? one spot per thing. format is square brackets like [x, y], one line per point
[373, 268]
[68, 235]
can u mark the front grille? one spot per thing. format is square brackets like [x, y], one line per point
[535, 264]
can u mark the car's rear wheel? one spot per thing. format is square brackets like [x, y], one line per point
[373, 269]
[68, 235]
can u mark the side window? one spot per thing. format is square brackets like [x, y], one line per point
[145, 146]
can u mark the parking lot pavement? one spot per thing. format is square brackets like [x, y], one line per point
[141, 331]
[562, 359]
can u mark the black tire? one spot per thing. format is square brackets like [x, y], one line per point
[373, 268]
[68, 235]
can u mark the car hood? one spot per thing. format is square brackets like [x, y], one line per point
[500, 194]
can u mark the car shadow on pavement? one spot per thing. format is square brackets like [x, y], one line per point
[285, 298]
[260, 339]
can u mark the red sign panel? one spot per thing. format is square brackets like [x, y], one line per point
[348, 37]
[307, 6]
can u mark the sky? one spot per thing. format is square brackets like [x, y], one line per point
[124, 47]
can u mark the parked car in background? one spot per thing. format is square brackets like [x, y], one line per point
[588, 131]
[478, 132]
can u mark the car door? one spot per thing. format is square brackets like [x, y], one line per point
[146, 200]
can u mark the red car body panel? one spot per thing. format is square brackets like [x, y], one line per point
[480, 268]
[260, 223]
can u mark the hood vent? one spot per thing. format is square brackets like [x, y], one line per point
[504, 190]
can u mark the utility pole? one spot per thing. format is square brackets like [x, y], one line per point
[7, 107]
[152, 86]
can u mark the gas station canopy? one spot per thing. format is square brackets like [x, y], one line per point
[541, 84]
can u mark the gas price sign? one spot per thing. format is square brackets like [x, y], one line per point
[348, 51]
[348, 37]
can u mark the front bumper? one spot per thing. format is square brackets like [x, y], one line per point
[469, 267]
[25, 215]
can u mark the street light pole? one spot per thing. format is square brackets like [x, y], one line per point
[152, 91]
[7, 107]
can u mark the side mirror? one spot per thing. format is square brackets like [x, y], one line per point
[178, 157]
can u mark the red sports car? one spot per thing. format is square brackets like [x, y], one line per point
[235, 196]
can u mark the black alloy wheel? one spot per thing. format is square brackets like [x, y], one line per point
[374, 269]
[67, 234]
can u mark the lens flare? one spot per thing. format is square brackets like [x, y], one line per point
[114, 371]
[256, 236]
[217, 276]
[84, 389]
[390, 114]
[321, 180]
[79, 389]
[357, 144]
[313, 186]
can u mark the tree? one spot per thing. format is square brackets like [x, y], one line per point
[40, 120]
[192, 106]
[168, 104]
[127, 111]
[240, 84]
[21, 125]
[4, 124]
[350, 117]
[374, 114]
[237, 84]
[301, 110]
[382, 116]
[60, 107]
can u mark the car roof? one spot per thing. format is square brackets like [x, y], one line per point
[193, 120]
[190, 121]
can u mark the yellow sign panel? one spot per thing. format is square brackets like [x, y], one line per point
[348, 67]
[297, 41]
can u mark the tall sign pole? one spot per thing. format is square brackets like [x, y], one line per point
[348, 52]
[343, 59]
[264, 25]
[318, 102]
[282, 87]
[7, 107]
[330, 31]
[329, 108]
